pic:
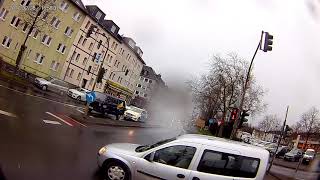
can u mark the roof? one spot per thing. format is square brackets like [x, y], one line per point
[225, 144]
[151, 74]
[80, 5]
[140, 58]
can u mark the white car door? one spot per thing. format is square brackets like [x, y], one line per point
[169, 162]
[223, 164]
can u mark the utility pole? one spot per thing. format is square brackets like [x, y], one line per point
[266, 46]
[280, 138]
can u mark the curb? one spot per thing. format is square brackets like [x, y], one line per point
[111, 124]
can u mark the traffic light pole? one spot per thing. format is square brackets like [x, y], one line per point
[237, 122]
[280, 138]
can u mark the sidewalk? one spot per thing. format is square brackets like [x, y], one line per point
[101, 121]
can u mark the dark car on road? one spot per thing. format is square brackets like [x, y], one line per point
[107, 104]
[282, 151]
[293, 155]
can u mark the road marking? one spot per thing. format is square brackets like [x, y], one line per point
[7, 114]
[70, 105]
[69, 118]
[59, 118]
[79, 110]
[51, 122]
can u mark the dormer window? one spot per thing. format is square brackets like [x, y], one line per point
[113, 28]
[98, 15]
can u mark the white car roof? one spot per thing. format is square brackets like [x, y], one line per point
[243, 148]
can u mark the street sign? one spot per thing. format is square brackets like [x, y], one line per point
[90, 97]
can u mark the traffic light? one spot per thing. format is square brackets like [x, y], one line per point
[243, 118]
[100, 75]
[90, 31]
[268, 41]
[233, 115]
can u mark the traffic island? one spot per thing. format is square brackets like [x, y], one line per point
[108, 121]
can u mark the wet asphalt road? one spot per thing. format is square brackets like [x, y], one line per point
[37, 141]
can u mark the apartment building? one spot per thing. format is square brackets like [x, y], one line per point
[149, 83]
[107, 49]
[50, 40]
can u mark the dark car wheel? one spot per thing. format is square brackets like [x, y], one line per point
[115, 171]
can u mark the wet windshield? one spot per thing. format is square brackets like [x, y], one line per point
[150, 146]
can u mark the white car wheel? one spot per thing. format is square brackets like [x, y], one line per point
[44, 87]
[116, 173]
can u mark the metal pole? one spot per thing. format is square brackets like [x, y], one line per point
[279, 140]
[236, 124]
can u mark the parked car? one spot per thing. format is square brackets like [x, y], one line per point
[135, 114]
[185, 157]
[107, 104]
[78, 94]
[282, 151]
[52, 84]
[308, 156]
[293, 155]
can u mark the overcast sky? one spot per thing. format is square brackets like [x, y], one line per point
[179, 36]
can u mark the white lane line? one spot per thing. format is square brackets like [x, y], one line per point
[51, 122]
[59, 118]
[70, 105]
[7, 114]
[80, 111]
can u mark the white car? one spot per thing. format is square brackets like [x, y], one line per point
[195, 157]
[78, 94]
[135, 113]
[52, 84]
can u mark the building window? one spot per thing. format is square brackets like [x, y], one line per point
[46, 40]
[99, 44]
[79, 76]
[64, 6]
[139, 85]
[84, 42]
[73, 55]
[80, 39]
[45, 15]
[110, 60]
[112, 46]
[90, 46]
[115, 47]
[145, 95]
[137, 92]
[89, 69]
[150, 81]
[15, 21]
[98, 15]
[113, 29]
[71, 73]
[54, 65]
[55, 22]
[145, 79]
[78, 56]
[91, 81]
[34, 33]
[3, 13]
[61, 48]
[39, 58]
[68, 32]
[88, 24]
[6, 41]
[25, 27]
[113, 76]
[85, 60]
[25, 3]
[76, 16]
[29, 52]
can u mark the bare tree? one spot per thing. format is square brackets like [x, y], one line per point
[269, 123]
[221, 88]
[309, 123]
[34, 15]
